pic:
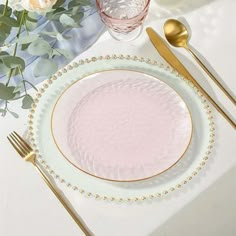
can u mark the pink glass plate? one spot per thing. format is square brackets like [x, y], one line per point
[121, 125]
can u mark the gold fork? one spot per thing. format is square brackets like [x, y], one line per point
[27, 153]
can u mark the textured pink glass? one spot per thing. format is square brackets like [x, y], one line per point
[123, 18]
[121, 125]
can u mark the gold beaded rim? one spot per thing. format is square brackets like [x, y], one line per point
[158, 195]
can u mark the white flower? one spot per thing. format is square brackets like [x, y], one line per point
[15, 5]
[40, 6]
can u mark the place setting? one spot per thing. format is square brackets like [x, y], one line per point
[119, 128]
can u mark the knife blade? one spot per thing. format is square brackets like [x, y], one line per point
[172, 60]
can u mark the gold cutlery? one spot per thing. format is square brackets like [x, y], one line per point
[177, 35]
[169, 56]
[27, 153]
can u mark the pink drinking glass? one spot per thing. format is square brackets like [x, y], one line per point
[123, 18]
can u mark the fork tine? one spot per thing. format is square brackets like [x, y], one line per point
[15, 146]
[22, 141]
[19, 145]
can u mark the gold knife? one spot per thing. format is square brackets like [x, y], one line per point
[169, 56]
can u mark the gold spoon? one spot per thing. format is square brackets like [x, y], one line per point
[177, 35]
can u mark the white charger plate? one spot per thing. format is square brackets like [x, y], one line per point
[55, 163]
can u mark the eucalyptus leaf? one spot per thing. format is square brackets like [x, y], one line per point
[27, 102]
[4, 69]
[14, 62]
[6, 93]
[3, 37]
[39, 47]
[78, 17]
[3, 53]
[67, 54]
[7, 20]
[5, 31]
[67, 21]
[27, 39]
[4, 28]
[45, 67]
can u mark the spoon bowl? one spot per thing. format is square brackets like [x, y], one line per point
[176, 33]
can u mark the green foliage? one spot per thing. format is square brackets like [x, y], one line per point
[3, 53]
[30, 25]
[13, 62]
[69, 16]
[3, 69]
[7, 93]
[67, 54]
[7, 20]
[58, 4]
[49, 68]
[8, 10]
[67, 21]
[32, 17]
[27, 102]
[20, 24]
[5, 32]
[39, 47]
[82, 2]
[27, 82]
[27, 39]
[55, 35]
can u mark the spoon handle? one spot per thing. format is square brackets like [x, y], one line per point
[211, 76]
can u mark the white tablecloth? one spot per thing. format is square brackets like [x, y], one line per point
[205, 206]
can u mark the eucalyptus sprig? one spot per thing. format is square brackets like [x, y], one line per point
[17, 33]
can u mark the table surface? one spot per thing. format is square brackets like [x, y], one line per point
[205, 207]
